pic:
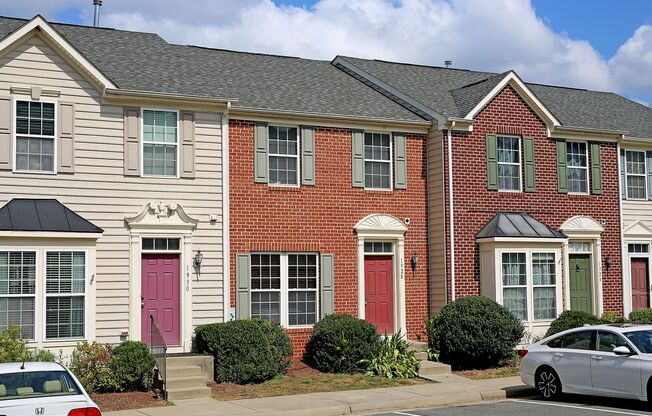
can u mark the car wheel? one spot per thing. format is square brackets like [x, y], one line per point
[547, 383]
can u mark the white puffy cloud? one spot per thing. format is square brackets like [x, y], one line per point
[632, 64]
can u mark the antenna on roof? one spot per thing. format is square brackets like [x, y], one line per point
[447, 62]
[96, 19]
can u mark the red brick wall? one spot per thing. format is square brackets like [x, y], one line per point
[321, 217]
[474, 205]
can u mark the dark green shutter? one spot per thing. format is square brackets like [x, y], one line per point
[562, 174]
[357, 150]
[492, 163]
[528, 157]
[243, 299]
[596, 169]
[307, 155]
[400, 161]
[327, 284]
[261, 152]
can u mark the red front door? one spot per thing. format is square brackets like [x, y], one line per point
[640, 284]
[161, 291]
[378, 292]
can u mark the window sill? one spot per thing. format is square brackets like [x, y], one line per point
[35, 172]
[281, 188]
[580, 195]
[377, 190]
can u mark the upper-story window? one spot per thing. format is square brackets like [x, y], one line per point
[283, 156]
[635, 174]
[35, 136]
[377, 161]
[160, 143]
[578, 167]
[509, 163]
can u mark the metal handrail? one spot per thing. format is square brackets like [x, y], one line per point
[159, 350]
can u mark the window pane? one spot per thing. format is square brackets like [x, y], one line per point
[543, 268]
[377, 175]
[515, 299]
[577, 181]
[545, 306]
[17, 273]
[635, 162]
[514, 269]
[35, 154]
[638, 248]
[509, 177]
[283, 170]
[265, 271]
[159, 126]
[266, 305]
[302, 308]
[159, 160]
[65, 272]
[18, 311]
[302, 271]
[607, 341]
[636, 187]
[509, 157]
[64, 317]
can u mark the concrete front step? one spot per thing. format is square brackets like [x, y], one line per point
[183, 371]
[429, 368]
[181, 382]
[183, 393]
[421, 355]
[417, 346]
[204, 362]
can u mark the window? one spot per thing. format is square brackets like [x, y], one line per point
[377, 161]
[26, 385]
[377, 247]
[635, 174]
[18, 290]
[160, 143]
[35, 136]
[579, 247]
[580, 340]
[515, 284]
[607, 341]
[284, 288]
[543, 285]
[283, 156]
[65, 286]
[509, 163]
[638, 248]
[577, 166]
[161, 244]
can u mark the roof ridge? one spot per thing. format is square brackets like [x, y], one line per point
[83, 25]
[274, 55]
[421, 65]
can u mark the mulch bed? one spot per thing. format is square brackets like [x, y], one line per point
[109, 402]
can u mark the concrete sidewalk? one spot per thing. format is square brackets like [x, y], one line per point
[450, 390]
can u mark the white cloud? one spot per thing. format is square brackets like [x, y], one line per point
[632, 64]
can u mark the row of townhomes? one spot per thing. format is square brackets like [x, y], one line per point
[142, 181]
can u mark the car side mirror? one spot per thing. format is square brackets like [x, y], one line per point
[622, 350]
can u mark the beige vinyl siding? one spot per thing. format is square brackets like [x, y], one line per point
[100, 192]
[637, 211]
[436, 220]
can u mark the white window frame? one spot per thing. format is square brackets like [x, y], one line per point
[519, 164]
[297, 156]
[142, 143]
[528, 297]
[553, 286]
[586, 168]
[285, 290]
[35, 295]
[55, 137]
[391, 161]
[627, 175]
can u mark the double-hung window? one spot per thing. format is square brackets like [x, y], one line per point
[283, 156]
[514, 270]
[18, 290]
[65, 287]
[577, 167]
[635, 173]
[509, 163]
[377, 161]
[284, 288]
[35, 136]
[160, 143]
[544, 288]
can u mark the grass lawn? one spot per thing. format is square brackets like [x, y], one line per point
[301, 379]
[109, 402]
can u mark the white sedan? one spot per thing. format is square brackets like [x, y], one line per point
[604, 360]
[47, 389]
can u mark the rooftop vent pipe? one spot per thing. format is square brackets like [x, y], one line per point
[96, 19]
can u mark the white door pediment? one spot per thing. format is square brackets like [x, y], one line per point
[163, 215]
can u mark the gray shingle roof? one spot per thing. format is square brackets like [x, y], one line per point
[470, 95]
[146, 62]
[517, 225]
[43, 215]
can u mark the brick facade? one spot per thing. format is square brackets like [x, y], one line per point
[474, 205]
[321, 217]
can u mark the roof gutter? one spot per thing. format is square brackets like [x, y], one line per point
[609, 135]
[138, 94]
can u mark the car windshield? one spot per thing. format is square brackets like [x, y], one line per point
[29, 384]
[642, 340]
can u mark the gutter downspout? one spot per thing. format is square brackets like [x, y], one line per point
[226, 216]
[623, 251]
[451, 216]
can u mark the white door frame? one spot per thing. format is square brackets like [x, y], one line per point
[387, 228]
[163, 220]
[636, 233]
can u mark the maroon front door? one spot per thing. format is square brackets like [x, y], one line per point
[161, 290]
[378, 292]
[640, 284]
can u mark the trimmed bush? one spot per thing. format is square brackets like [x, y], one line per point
[245, 351]
[339, 344]
[476, 332]
[570, 320]
[133, 366]
[91, 364]
[393, 359]
[641, 316]
[611, 317]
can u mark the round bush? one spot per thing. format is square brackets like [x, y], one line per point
[476, 332]
[339, 343]
[133, 365]
[641, 316]
[245, 351]
[91, 364]
[570, 320]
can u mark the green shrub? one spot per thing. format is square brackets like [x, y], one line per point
[339, 343]
[43, 356]
[245, 351]
[432, 325]
[133, 366]
[476, 332]
[13, 348]
[611, 317]
[393, 360]
[91, 364]
[570, 320]
[641, 316]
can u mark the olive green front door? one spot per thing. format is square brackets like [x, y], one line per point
[581, 293]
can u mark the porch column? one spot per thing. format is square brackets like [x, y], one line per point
[566, 276]
[402, 324]
[361, 287]
[598, 274]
